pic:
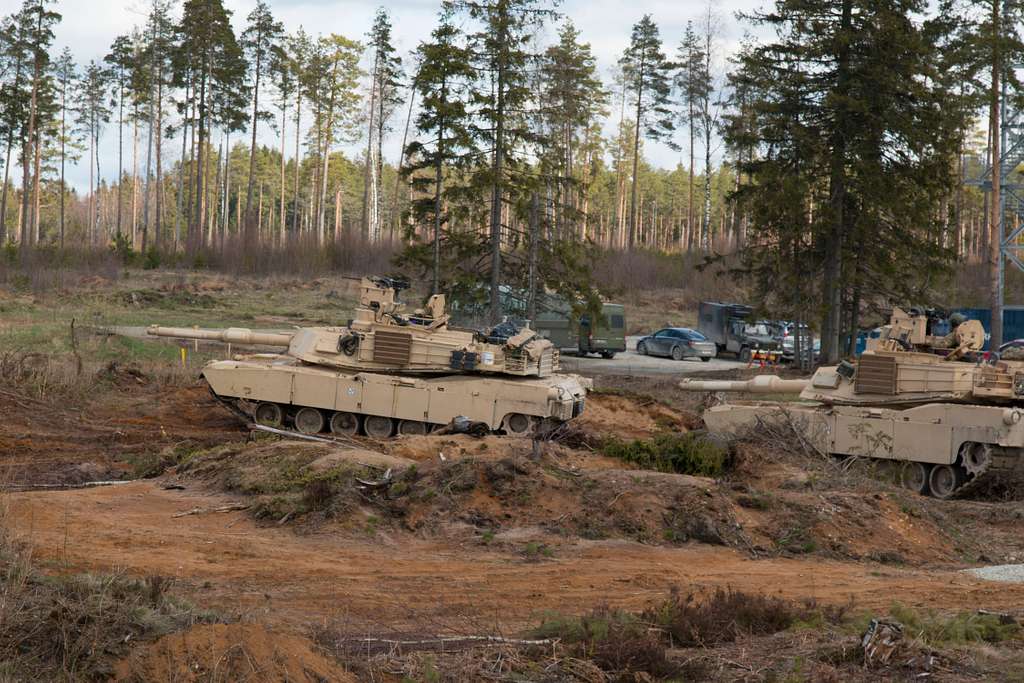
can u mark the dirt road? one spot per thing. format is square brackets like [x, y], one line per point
[284, 577]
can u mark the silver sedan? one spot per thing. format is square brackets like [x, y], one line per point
[677, 343]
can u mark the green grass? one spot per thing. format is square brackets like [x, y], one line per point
[963, 628]
[680, 453]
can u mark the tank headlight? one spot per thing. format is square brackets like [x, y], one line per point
[1011, 417]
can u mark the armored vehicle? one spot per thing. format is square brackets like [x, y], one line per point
[390, 372]
[731, 330]
[949, 418]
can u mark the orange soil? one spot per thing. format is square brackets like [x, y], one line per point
[287, 579]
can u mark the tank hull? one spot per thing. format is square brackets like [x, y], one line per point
[433, 401]
[974, 441]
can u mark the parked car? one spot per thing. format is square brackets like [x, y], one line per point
[785, 332]
[728, 327]
[677, 343]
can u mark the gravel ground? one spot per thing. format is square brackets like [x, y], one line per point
[1011, 573]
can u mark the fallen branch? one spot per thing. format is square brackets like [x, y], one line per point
[223, 508]
[64, 487]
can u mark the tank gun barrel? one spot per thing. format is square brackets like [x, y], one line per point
[231, 335]
[762, 384]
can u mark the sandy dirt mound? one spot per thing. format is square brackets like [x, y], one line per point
[46, 443]
[629, 417]
[230, 652]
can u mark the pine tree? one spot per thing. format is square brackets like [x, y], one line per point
[14, 99]
[261, 42]
[444, 75]
[66, 76]
[120, 61]
[691, 82]
[385, 80]
[648, 78]
[853, 139]
[503, 56]
[209, 58]
[572, 99]
[40, 22]
[94, 112]
[157, 56]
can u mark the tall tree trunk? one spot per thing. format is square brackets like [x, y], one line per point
[63, 157]
[30, 136]
[438, 205]
[997, 229]
[497, 191]
[298, 158]
[120, 150]
[249, 191]
[158, 214]
[636, 153]
[284, 120]
[196, 224]
[370, 168]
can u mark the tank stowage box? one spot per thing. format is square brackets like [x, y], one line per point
[388, 372]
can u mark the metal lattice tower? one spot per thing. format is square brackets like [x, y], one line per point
[1011, 190]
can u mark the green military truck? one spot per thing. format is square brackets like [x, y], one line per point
[606, 338]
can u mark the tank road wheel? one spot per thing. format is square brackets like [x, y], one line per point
[413, 428]
[379, 427]
[517, 424]
[345, 424]
[976, 457]
[309, 421]
[269, 415]
[914, 476]
[677, 353]
[945, 480]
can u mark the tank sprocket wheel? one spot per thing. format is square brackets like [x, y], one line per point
[413, 428]
[977, 458]
[379, 427]
[309, 421]
[345, 424]
[269, 415]
[944, 480]
[915, 475]
[517, 424]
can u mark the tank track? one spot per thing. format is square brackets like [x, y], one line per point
[1004, 462]
[232, 406]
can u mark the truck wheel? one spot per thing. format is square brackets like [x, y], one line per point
[345, 424]
[379, 427]
[607, 355]
[677, 353]
[745, 354]
[309, 421]
[704, 359]
[641, 348]
[914, 476]
[269, 415]
[945, 480]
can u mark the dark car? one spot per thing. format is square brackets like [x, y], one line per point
[677, 343]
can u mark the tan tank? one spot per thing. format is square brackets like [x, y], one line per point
[389, 372]
[953, 423]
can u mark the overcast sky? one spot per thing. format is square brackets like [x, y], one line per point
[89, 27]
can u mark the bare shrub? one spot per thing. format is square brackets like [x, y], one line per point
[722, 616]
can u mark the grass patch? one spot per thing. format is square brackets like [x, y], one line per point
[680, 453]
[964, 628]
